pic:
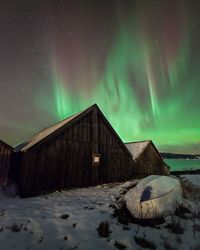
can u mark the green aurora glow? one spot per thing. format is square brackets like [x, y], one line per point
[143, 92]
[138, 60]
[147, 89]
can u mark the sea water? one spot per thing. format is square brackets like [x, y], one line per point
[183, 164]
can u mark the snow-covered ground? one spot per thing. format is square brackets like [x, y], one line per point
[69, 220]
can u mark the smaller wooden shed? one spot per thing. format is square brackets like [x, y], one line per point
[6, 154]
[148, 159]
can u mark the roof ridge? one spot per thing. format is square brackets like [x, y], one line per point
[137, 141]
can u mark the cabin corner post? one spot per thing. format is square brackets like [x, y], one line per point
[95, 139]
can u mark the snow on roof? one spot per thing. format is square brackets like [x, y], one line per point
[136, 148]
[5, 144]
[44, 133]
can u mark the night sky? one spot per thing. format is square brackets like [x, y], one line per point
[138, 60]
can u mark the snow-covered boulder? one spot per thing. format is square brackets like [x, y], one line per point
[154, 196]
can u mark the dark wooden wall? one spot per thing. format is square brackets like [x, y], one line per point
[150, 163]
[5, 159]
[66, 161]
[116, 164]
[62, 163]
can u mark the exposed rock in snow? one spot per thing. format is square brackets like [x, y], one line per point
[154, 196]
[129, 184]
[191, 186]
[192, 179]
[103, 229]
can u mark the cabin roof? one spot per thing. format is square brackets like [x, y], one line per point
[44, 133]
[48, 132]
[6, 144]
[137, 148]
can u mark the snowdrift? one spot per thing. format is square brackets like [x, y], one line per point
[154, 196]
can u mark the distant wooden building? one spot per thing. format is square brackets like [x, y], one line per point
[80, 151]
[6, 154]
[148, 159]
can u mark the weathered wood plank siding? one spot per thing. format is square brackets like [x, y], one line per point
[149, 163]
[116, 164]
[6, 153]
[64, 162]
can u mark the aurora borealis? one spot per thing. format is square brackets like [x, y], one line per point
[138, 60]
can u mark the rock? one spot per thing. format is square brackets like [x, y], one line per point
[103, 229]
[120, 245]
[65, 237]
[64, 216]
[15, 228]
[144, 243]
[154, 197]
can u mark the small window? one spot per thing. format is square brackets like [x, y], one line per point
[96, 159]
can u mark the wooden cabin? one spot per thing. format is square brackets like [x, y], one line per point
[80, 151]
[6, 154]
[148, 159]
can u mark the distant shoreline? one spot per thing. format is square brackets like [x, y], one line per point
[179, 156]
[183, 172]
